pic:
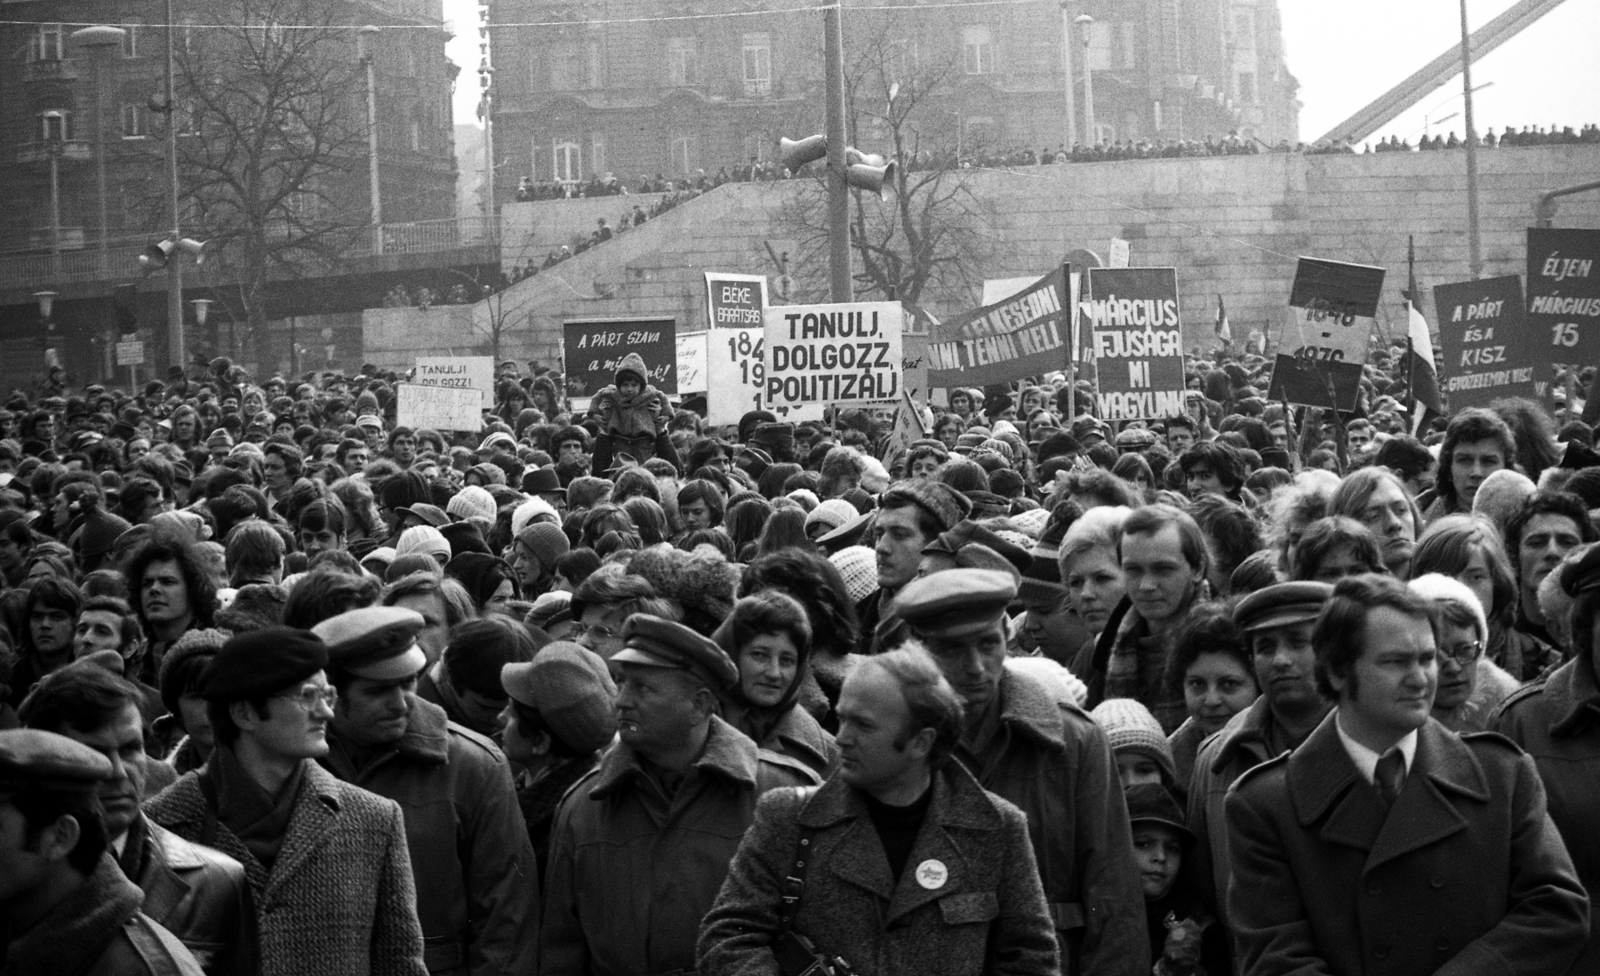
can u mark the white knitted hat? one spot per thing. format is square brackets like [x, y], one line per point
[833, 513]
[1130, 726]
[1032, 521]
[1436, 588]
[528, 511]
[859, 567]
[423, 539]
[472, 500]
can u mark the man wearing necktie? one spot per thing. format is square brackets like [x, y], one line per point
[1387, 844]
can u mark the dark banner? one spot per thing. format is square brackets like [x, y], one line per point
[1336, 286]
[1564, 293]
[1487, 349]
[1325, 340]
[1138, 342]
[1024, 335]
[595, 348]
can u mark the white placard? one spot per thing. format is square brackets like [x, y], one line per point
[692, 363]
[130, 353]
[461, 372]
[735, 362]
[826, 355]
[996, 290]
[439, 407]
[1118, 257]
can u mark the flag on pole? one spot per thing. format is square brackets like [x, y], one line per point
[1424, 378]
[1223, 329]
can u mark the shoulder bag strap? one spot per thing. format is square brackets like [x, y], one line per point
[794, 883]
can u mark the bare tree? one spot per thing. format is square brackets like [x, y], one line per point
[925, 243]
[272, 139]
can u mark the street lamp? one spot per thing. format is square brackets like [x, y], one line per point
[1066, 59]
[364, 39]
[1090, 138]
[1428, 121]
[101, 40]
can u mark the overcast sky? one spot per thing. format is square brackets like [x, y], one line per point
[1347, 53]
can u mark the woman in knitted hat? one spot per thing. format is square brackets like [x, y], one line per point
[768, 636]
[1470, 685]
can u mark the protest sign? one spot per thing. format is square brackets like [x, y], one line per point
[1323, 343]
[1564, 293]
[735, 369]
[439, 407]
[1488, 351]
[823, 355]
[735, 301]
[1137, 341]
[999, 289]
[1025, 334]
[1117, 256]
[461, 372]
[592, 350]
[692, 362]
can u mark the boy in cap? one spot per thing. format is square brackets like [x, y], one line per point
[67, 907]
[329, 859]
[1276, 623]
[476, 880]
[1047, 757]
[640, 846]
[910, 515]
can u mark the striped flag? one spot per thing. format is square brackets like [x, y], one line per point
[1223, 329]
[1424, 378]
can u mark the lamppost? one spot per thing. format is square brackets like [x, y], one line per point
[47, 304]
[101, 40]
[1090, 138]
[364, 40]
[175, 352]
[1066, 58]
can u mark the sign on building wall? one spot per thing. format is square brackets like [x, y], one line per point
[461, 372]
[1137, 341]
[1564, 293]
[1487, 348]
[1324, 342]
[826, 355]
[593, 349]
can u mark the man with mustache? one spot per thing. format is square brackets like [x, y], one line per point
[1386, 843]
[196, 893]
[476, 878]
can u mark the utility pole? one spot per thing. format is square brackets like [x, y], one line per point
[365, 39]
[1474, 243]
[840, 273]
[176, 355]
[1066, 55]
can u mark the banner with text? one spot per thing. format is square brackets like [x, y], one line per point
[1486, 347]
[461, 372]
[439, 407]
[1025, 334]
[735, 301]
[825, 355]
[1564, 293]
[1324, 342]
[735, 369]
[594, 348]
[1137, 342]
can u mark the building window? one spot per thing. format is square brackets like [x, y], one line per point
[903, 61]
[1246, 93]
[47, 43]
[416, 134]
[683, 155]
[566, 161]
[134, 123]
[565, 66]
[597, 152]
[1100, 46]
[977, 50]
[757, 65]
[1244, 30]
[130, 38]
[594, 75]
[683, 61]
[55, 126]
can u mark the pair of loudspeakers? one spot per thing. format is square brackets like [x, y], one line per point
[864, 171]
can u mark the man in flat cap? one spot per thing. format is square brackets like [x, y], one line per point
[1385, 843]
[1557, 720]
[198, 894]
[1276, 624]
[326, 861]
[477, 881]
[910, 515]
[641, 845]
[65, 906]
[1046, 756]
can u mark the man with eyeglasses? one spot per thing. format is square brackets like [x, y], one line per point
[326, 861]
[476, 878]
[1386, 843]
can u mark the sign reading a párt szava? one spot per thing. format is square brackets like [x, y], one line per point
[1487, 347]
[594, 348]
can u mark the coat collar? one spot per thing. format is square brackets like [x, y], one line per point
[1325, 787]
[1574, 696]
[169, 854]
[729, 755]
[1247, 730]
[958, 804]
[1028, 707]
[427, 737]
[316, 812]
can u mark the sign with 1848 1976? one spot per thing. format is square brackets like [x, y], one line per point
[1323, 344]
[1488, 351]
[593, 349]
[1564, 293]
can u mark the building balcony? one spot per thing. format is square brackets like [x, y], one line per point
[58, 69]
[67, 151]
[41, 238]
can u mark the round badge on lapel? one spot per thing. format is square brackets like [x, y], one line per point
[932, 874]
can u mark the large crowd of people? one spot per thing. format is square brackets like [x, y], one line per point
[288, 687]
